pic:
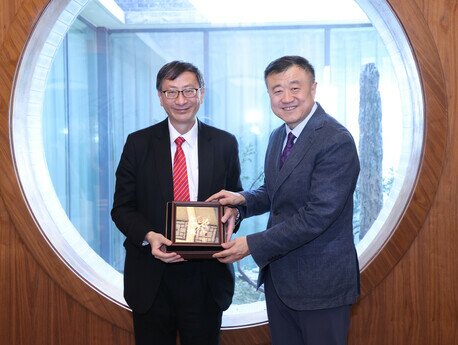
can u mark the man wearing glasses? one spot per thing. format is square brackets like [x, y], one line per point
[178, 159]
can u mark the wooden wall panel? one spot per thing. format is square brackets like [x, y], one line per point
[415, 302]
[7, 14]
[35, 310]
[418, 302]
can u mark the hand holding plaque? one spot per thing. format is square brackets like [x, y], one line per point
[195, 229]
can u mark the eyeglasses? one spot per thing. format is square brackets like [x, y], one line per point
[188, 93]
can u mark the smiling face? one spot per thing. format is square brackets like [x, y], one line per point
[181, 110]
[292, 94]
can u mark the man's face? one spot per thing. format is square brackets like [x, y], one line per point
[181, 110]
[292, 94]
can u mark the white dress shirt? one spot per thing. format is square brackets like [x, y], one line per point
[190, 149]
[298, 129]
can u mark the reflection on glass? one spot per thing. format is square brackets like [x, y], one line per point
[102, 87]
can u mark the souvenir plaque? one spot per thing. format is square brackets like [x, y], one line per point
[195, 229]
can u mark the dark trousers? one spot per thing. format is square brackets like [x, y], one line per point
[183, 304]
[304, 327]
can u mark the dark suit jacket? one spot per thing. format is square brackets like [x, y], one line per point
[144, 184]
[308, 245]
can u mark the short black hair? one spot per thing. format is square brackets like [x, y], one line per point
[282, 64]
[173, 69]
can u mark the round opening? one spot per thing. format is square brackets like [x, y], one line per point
[87, 80]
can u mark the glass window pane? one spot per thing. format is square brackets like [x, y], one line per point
[101, 87]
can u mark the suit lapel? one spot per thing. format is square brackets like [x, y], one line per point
[276, 146]
[162, 157]
[206, 160]
[300, 148]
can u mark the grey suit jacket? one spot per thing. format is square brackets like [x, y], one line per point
[308, 244]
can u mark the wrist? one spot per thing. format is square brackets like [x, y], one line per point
[237, 216]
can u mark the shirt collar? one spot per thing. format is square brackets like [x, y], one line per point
[190, 136]
[298, 129]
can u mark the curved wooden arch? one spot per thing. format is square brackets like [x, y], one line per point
[406, 230]
[434, 147]
[18, 208]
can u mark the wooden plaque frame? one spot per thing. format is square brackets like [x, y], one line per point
[195, 229]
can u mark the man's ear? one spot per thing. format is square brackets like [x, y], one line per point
[314, 88]
[159, 94]
[202, 93]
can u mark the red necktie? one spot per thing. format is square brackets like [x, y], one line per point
[180, 173]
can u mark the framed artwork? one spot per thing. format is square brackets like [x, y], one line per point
[195, 229]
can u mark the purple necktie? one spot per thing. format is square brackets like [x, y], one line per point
[287, 149]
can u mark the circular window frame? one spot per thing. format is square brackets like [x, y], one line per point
[53, 253]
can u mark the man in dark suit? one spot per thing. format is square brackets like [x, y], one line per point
[166, 293]
[307, 256]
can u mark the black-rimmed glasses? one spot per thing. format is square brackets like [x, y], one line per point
[188, 93]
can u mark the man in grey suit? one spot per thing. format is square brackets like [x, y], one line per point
[307, 256]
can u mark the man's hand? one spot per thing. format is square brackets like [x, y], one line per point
[228, 198]
[229, 218]
[234, 251]
[157, 242]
